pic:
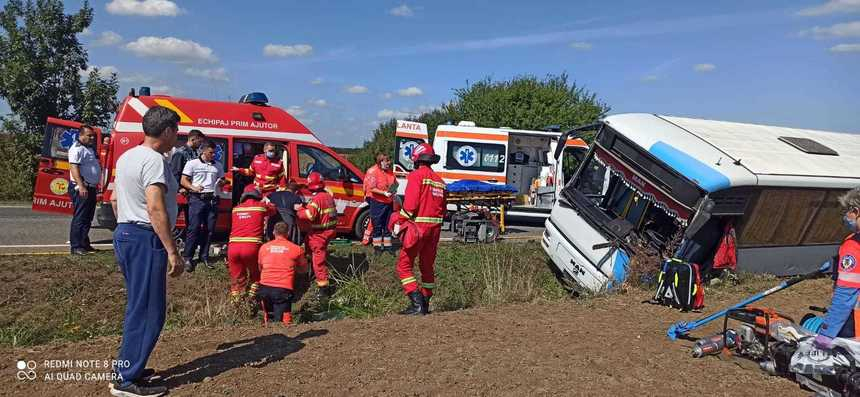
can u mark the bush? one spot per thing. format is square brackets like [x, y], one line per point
[18, 160]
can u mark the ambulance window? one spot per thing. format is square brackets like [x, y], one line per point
[473, 156]
[313, 159]
[61, 139]
[244, 151]
[220, 148]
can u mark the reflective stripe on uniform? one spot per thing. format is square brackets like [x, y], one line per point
[427, 219]
[326, 225]
[406, 214]
[249, 209]
[246, 240]
[428, 285]
[407, 280]
[328, 211]
[433, 183]
[849, 277]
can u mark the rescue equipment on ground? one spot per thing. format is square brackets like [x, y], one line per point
[679, 285]
[683, 328]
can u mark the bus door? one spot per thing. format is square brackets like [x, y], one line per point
[51, 191]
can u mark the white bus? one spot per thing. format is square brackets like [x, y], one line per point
[649, 180]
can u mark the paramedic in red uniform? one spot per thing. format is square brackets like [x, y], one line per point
[378, 181]
[843, 316]
[322, 215]
[267, 170]
[281, 262]
[423, 205]
[246, 236]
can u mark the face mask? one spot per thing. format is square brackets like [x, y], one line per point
[270, 155]
[850, 224]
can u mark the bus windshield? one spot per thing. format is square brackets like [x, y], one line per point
[622, 190]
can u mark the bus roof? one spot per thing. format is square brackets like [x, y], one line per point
[721, 154]
[216, 118]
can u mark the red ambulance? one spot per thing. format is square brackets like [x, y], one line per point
[237, 129]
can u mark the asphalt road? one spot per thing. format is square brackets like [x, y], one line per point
[25, 231]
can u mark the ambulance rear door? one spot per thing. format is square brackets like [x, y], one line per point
[51, 191]
[471, 153]
[407, 136]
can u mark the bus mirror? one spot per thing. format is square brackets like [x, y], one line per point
[702, 216]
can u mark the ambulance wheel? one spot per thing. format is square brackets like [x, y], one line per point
[361, 224]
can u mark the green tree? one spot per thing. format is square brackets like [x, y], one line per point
[40, 76]
[524, 102]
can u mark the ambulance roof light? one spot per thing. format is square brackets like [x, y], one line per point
[144, 91]
[256, 98]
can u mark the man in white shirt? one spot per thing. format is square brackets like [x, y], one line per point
[201, 177]
[144, 200]
[85, 170]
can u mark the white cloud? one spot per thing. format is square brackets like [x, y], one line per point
[285, 51]
[319, 102]
[845, 48]
[296, 111]
[86, 32]
[580, 45]
[106, 39]
[317, 81]
[356, 89]
[171, 49]
[402, 10]
[388, 95]
[165, 90]
[104, 71]
[831, 7]
[649, 78]
[146, 8]
[218, 74]
[385, 114]
[704, 67]
[410, 91]
[850, 29]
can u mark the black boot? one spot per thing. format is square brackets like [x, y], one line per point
[425, 305]
[416, 303]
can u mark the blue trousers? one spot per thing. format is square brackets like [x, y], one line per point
[379, 214]
[143, 262]
[85, 210]
[202, 215]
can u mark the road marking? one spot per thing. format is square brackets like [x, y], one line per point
[48, 245]
[15, 206]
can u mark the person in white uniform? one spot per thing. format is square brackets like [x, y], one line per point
[201, 177]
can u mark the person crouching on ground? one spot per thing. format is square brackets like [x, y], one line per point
[378, 181]
[246, 236]
[424, 206]
[843, 316]
[280, 262]
[322, 215]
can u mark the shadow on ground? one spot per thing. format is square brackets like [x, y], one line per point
[254, 352]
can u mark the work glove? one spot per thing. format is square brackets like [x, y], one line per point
[823, 342]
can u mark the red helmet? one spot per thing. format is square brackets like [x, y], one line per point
[250, 191]
[315, 181]
[424, 152]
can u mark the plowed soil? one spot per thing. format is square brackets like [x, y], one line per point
[600, 346]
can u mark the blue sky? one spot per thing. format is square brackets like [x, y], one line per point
[342, 66]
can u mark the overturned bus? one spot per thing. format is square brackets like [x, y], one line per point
[650, 181]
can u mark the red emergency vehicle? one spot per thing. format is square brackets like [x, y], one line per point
[237, 129]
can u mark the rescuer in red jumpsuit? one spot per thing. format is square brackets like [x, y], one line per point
[322, 215]
[423, 209]
[267, 170]
[246, 236]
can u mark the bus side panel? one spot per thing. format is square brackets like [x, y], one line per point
[784, 261]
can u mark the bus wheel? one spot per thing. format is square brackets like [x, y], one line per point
[361, 224]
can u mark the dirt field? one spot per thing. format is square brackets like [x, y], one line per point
[600, 346]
